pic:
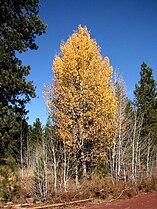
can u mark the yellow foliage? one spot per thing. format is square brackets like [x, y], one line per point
[82, 99]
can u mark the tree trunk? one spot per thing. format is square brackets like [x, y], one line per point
[133, 149]
[21, 153]
[76, 168]
[148, 156]
[84, 164]
[54, 168]
[65, 170]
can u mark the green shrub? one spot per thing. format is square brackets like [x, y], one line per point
[8, 178]
[101, 169]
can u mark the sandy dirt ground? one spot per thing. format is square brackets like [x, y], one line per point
[144, 201]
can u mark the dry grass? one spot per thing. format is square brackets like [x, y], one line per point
[105, 189]
[96, 188]
[148, 184]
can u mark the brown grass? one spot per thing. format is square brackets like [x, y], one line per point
[96, 188]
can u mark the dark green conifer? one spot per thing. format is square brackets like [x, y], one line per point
[146, 101]
[20, 24]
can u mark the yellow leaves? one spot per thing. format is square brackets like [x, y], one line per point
[48, 103]
[68, 143]
[105, 63]
[82, 98]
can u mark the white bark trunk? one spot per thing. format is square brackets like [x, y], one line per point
[54, 168]
[84, 164]
[45, 173]
[65, 170]
[119, 140]
[148, 155]
[133, 148]
[136, 159]
[113, 162]
[76, 170]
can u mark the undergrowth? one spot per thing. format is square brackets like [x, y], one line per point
[100, 188]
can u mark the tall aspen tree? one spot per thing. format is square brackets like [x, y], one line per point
[81, 99]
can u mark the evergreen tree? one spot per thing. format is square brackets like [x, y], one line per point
[35, 134]
[34, 141]
[37, 131]
[146, 101]
[20, 24]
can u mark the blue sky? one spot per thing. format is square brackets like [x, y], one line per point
[125, 30]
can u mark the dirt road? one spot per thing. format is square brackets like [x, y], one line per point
[144, 201]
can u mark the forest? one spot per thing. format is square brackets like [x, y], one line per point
[96, 143]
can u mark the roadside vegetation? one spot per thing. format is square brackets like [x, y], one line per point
[97, 143]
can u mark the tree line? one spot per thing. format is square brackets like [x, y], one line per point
[92, 129]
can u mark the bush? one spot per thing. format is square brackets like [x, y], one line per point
[8, 179]
[102, 169]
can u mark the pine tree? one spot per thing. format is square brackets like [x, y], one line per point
[35, 134]
[37, 131]
[146, 101]
[20, 24]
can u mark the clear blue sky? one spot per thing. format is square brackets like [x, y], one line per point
[126, 31]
